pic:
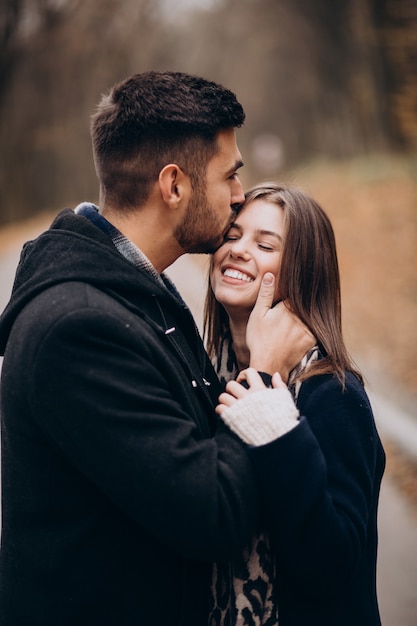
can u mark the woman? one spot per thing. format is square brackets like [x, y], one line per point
[317, 452]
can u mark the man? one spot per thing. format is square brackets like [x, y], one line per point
[118, 491]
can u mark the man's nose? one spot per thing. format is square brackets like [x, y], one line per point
[237, 193]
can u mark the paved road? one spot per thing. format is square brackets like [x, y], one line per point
[397, 566]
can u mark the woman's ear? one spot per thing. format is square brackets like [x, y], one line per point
[175, 186]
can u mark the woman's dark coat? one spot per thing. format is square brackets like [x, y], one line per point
[321, 484]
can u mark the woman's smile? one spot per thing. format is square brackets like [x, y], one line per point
[236, 274]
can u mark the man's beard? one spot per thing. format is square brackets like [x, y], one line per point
[200, 231]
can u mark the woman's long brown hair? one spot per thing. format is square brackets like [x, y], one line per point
[309, 282]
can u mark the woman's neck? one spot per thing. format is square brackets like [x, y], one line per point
[238, 332]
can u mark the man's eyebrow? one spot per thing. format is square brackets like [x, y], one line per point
[236, 166]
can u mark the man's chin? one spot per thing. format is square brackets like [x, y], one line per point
[203, 249]
[206, 247]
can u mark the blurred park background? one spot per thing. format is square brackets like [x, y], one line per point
[330, 92]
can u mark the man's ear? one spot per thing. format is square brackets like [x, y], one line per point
[175, 186]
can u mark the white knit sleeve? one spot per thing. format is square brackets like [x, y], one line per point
[262, 416]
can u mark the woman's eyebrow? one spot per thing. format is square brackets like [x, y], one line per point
[261, 231]
[258, 231]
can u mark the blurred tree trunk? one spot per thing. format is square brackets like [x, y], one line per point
[70, 53]
[316, 78]
[396, 22]
[309, 72]
[10, 14]
[352, 115]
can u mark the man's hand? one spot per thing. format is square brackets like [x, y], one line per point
[276, 338]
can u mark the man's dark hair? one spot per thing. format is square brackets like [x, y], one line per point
[155, 118]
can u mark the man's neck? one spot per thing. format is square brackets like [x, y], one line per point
[145, 230]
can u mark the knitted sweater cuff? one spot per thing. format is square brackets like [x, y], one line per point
[262, 416]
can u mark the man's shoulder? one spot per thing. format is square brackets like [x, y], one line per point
[68, 294]
[74, 312]
[76, 297]
[66, 303]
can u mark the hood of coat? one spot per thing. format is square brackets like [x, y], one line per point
[74, 249]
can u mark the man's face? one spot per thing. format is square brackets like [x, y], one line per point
[209, 212]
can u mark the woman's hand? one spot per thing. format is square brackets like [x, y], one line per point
[235, 390]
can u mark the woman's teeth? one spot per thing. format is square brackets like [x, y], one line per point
[238, 275]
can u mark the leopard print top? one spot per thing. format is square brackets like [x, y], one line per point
[243, 592]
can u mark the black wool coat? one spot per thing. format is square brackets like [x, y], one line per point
[116, 492]
[320, 483]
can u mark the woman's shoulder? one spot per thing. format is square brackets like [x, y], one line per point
[351, 382]
[340, 415]
[329, 389]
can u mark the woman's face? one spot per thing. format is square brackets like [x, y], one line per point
[252, 247]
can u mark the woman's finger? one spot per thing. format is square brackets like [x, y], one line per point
[251, 376]
[277, 381]
[235, 389]
[227, 399]
[220, 408]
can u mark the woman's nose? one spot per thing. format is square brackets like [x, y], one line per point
[239, 249]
